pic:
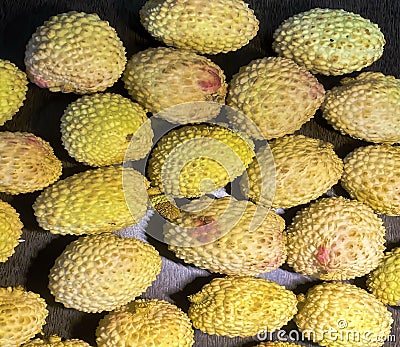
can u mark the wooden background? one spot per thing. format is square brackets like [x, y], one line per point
[41, 114]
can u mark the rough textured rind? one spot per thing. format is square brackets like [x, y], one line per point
[357, 317]
[27, 163]
[102, 272]
[219, 236]
[206, 27]
[329, 41]
[162, 204]
[241, 306]
[150, 323]
[158, 78]
[335, 239]
[10, 230]
[372, 175]
[198, 159]
[366, 107]
[305, 168]
[384, 281]
[95, 201]
[191, 112]
[55, 341]
[98, 129]
[22, 315]
[276, 94]
[13, 89]
[75, 52]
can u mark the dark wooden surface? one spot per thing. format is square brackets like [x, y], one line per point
[41, 114]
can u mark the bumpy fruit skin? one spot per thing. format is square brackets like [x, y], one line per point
[27, 163]
[98, 129]
[22, 315]
[384, 281]
[10, 230]
[55, 341]
[335, 239]
[329, 41]
[372, 175]
[99, 273]
[276, 94]
[198, 159]
[356, 317]
[277, 344]
[241, 306]
[13, 89]
[150, 323]
[366, 107]
[217, 235]
[305, 169]
[93, 202]
[158, 78]
[75, 52]
[162, 204]
[205, 27]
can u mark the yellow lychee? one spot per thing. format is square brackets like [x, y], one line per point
[372, 175]
[197, 159]
[383, 282]
[276, 94]
[158, 78]
[13, 89]
[206, 27]
[329, 41]
[365, 107]
[335, 239]
[75, 52]
[351, 316]
[22, 315]
[10, 230]
[98, 200]
[27, 163]
[55, 341]
[146, 322]
[241, 306]
[105, 129]
[305, 168]
[102, 272]
[227, 236]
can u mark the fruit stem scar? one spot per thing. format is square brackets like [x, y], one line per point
[204, 230]
[211, 81]
[323, 256]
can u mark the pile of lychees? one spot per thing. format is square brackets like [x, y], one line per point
[219, 132]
